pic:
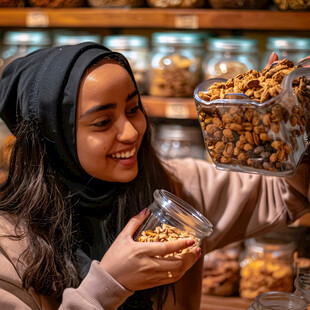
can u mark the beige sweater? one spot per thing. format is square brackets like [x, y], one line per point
[239, 206]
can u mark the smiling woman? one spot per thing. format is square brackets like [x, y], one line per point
[110, 124]
[82, 172]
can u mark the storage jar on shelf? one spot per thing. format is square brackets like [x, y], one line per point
[292, 48]
[238, 4]
[177, 141]
[278, 300]
[302, 286]
[176, 63]
[136, 49]
[12, 3]
[71, 38]
[267, 265]
[228, 57]
[20, 43]
[294, 5]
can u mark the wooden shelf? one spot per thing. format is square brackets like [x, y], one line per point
[155, 18]
[177, 108]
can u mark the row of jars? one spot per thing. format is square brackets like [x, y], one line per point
[178, 61]
[266, 264]
[216, 4]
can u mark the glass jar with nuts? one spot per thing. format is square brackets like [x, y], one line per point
[257, 122]
[267, 265]
[175, 64]
[170, 219]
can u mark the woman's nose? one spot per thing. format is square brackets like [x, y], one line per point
[127, 133]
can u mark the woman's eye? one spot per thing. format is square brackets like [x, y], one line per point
[134, 110]
[102, 123]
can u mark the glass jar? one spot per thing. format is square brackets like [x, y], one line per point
[177, 141]
[228, 57]
[238, 4]
[175, 3]
[136, 49]
[6, 140]
[170, 212]
[221, 271]
[291, 48]
[71, 38]
[176, 64]
[302, 286]
[267, 265]
[20, 43]
[295, 5]
[278, 300]
[114, 3]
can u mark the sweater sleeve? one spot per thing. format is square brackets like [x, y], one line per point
[97, 291]
[241, 205]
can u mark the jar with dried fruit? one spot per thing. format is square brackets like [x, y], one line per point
[115, 3]
[221, 271]
[172, 218]
[57, 3]
[74, 37]
[20, 43]
[176, 63]
[278, 300]
[267, 265]
[227, 57]
[292, 48]
[136, 49]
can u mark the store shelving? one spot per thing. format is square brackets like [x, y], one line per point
[151, 18]
[155, 18]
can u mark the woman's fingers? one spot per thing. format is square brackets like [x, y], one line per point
[273, 58]
[165, 248]
[135, 222]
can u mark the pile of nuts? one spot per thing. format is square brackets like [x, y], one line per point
[175, 3]
[175, 76]
[263, 275]
[253, 136]
[166, 233]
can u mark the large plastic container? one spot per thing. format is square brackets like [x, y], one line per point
[245, 135]
[168, 211]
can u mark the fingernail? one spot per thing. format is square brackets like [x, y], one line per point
[143, 211]
[199, 252]
[273, 56]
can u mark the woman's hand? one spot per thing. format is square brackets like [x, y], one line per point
[134, 265]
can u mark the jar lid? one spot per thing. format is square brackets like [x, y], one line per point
[183, 38]
[232, 44]
[125, 41]
[26, 37]
[183, 212]
[288, 43]
[271, 242]
[75, 38]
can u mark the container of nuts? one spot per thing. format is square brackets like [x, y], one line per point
[171, 219]
[257, 122]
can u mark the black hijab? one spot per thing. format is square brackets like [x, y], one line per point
[43, 86]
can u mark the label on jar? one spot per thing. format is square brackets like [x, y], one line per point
[186, 21]
[175, 109]
[37, 19]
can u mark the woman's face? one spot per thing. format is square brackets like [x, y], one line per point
[109, 124]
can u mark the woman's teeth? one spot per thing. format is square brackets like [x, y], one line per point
[127, 154]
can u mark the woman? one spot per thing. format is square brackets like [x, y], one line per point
[81, 169]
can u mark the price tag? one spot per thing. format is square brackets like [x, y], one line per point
[37, 19]
[176, 110]
[186, 21]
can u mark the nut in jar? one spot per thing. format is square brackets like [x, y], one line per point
[257, 122]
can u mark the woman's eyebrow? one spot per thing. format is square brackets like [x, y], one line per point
[98, 108]
[133, 94]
